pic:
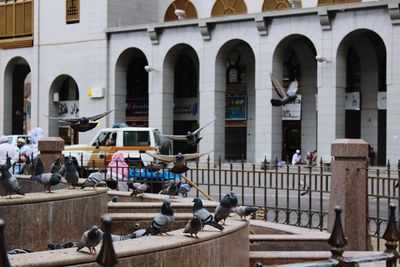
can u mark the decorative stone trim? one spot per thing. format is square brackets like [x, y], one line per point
[262, 25]
[153, 35]
[394, 12]
[324, 19]
[205, 30]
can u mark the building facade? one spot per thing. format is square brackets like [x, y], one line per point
[70, 57]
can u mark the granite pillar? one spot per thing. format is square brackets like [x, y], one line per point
[349, 190]
[50, 148]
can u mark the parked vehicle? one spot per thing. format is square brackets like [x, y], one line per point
[133, 142]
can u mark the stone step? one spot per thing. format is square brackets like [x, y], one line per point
[289, 242]
[124, 223]
[154, 207]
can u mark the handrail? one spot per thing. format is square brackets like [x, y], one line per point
[198, 188]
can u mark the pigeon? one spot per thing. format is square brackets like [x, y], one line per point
[233, 199]
[94, 179]
[82, 124]
[183, 189]
[19, 251]
[191, 138]
[53, 246]
[8, 182]
[70, 171]
[193, 226]
[163, 222]
[56, 166]
[114, 199]
[224, 208]
[38, 167]
[116, 238]
[48, 179]
[244, 211]
[138, 233]
[204, 215]
[138, 189]
[286, 96]
[26, 167]
[172, 190]
[90, 239]
[178, 159]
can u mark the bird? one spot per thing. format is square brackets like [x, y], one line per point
[56, 166]
[38, 167]
[47, 179]
[204, 215]
[16, 251]
[26, 167]
[244, 211]
[114, 199]
[183, 188]
[138, 233]
[224, 208]
[193, 226]
[178, 159]
[54, 246]
[94, 179]
[116, 238]
[286, 96]
[138, 189]
[172, 189]
[8, 182]
[70, 171]
[163, 222]
[90, 239]
[82, 124]
[191, 138]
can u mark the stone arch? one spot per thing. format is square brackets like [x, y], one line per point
[16, 114]
[369, 79]
[235, 101]
[296, 124]
[63, 102]
[181, 89]
[226, 8]
[186, 5]
[270, 5]
[130, 72]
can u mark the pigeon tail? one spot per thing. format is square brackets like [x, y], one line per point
[216, 225]
[19, 192]
[276, 102]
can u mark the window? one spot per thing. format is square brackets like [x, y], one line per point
[16, 23]
[132, 138]
[72, 11]
[269, 5]
[332, 2]
[226, 8]
[186, 5]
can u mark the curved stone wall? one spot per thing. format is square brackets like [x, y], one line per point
[212, 248]
[37, 218]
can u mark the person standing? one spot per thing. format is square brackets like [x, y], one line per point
[7, 149]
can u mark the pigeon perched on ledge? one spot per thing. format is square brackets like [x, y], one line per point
[90, 239]
[204, 215]
[163, 222]
[193, 226]
[8, 182]
[244, 211]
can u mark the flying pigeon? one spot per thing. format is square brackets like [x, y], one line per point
[286, 96]
[90, 239]
[244, 211]
[8, 182]
[193, 226]
[224, 208]
[56, 166]
[178, 159]
[94, 179]
[138, 189]
[163, 222]
[82, 124]
[70, 171]
[204, 215]
[191, 138]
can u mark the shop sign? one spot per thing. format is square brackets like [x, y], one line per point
[235, 108]
[382, 100]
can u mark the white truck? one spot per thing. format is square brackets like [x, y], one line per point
[133, 142]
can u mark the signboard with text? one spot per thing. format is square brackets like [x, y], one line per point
[235, 108]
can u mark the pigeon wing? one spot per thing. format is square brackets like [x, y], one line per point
[293, 87]
[99, 116]
[194, 155]
[175, 137]
[201, 128]
[280, 90]
[166, 158]
[65, 119]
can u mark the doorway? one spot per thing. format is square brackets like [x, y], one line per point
[291, 138]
